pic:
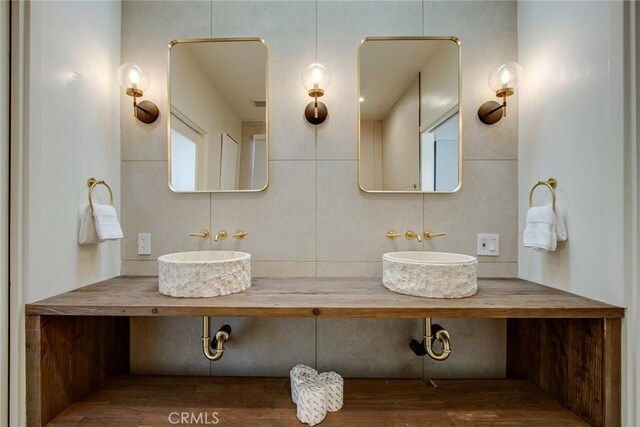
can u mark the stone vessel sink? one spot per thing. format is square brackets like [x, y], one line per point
[430, 274]
[204, 274]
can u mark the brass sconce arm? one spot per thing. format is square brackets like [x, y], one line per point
[134, 80]
[504, 80]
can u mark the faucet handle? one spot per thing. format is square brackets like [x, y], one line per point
[410, 235]
[430, 234]
[392, 234]
[204, 234]
[240, 234]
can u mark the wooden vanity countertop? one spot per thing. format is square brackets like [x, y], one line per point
[323, 297]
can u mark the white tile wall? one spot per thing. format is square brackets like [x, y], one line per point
[313, 220]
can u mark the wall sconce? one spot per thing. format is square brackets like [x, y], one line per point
[315, 80]
[504, 80]
[134, 80]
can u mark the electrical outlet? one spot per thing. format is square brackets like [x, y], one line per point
[144, 244]
[488, 244]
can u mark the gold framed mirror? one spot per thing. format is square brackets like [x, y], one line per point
[218, 125]
[409, 115]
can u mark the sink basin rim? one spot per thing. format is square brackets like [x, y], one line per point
[174, 257]
[404, 257]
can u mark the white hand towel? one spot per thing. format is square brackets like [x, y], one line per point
[87, 234]
[540, 228]
[544, 229]
[561, 229]
[107, 225]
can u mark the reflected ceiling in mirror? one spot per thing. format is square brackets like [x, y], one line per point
[218, 126]
[409, 137]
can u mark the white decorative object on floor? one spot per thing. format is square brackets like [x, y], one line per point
[335, 390]
[87, 234]
[315, 394]
[298, 375]
[106, 219]
[312, 403]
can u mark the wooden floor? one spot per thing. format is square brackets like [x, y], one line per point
[136, 401]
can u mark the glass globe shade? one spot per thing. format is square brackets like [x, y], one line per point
[132, 76]
[506, 76]
[316, 76]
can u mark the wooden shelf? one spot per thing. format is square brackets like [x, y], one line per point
[148, 401]
[557, 343]
[323, 297]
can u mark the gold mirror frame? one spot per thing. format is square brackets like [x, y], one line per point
[266, 77]
[357, 100]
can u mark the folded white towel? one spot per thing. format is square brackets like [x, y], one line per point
[544, 229]
[561, 229]
[107, 225]
[87, 234]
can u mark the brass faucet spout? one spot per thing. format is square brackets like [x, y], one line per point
[410, 235]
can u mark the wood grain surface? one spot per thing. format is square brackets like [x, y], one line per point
[68, 357]
[323, 297]
[137, 401]
[576, 361]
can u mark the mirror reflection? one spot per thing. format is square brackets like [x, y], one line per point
[409, 139]
[218, 138]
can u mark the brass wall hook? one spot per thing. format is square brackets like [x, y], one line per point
[551, 184]
[92, 183]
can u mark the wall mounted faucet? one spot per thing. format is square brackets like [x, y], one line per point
[204, 234]
[430, 234]
[410, 235]
[220, 235]
[240, 234]
[392, 234]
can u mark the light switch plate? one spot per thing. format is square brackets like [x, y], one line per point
[488, 244]
[144, 244]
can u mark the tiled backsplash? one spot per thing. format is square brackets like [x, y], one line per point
[313, 220]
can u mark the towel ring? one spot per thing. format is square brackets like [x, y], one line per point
[551, 184]
[92, 183]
